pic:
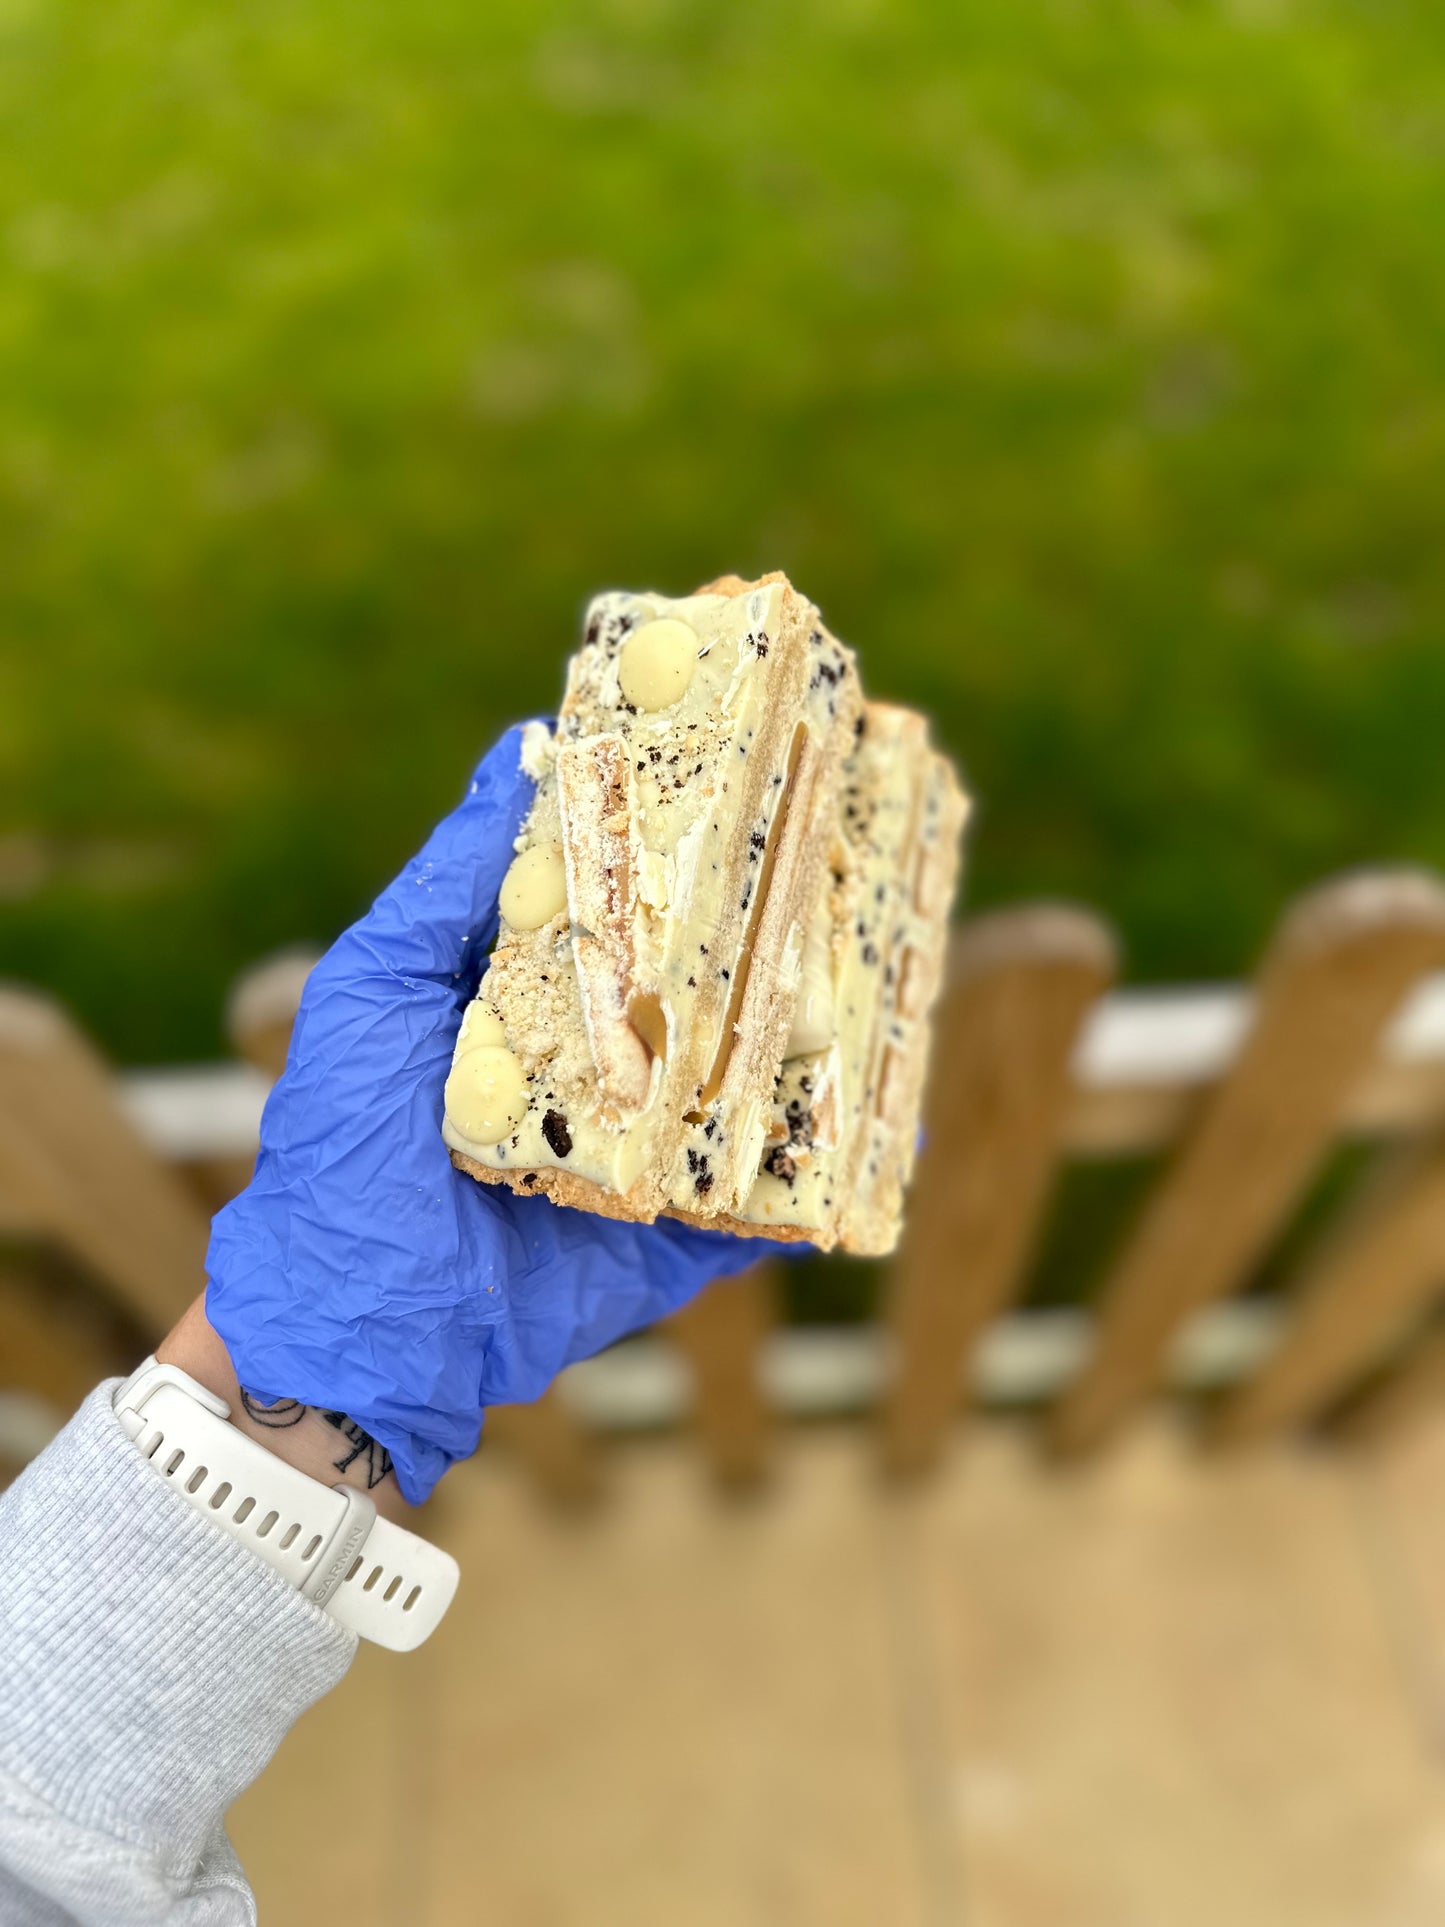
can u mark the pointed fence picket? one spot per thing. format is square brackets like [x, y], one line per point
[1020, 983]
[79, 1175]
[1375, 1272]
[1335, 975]
[723, 1336]
[1394, 1403]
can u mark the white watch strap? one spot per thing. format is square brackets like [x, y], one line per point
[380, 1580]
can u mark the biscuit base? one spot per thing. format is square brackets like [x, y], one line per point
[581, 1194]
[562, 1187]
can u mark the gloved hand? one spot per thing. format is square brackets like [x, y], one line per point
[358, 1271]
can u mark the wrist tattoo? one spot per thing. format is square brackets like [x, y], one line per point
[362, 1448]
[276, 1417]
[377, 1459]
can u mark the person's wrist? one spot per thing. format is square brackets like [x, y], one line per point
[327, 1446]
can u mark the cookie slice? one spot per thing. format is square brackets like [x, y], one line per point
[628, 1033]
[845, 1110]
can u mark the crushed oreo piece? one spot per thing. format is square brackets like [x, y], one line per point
[554, 1129]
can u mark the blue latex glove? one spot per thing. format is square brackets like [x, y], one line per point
[361, 1273]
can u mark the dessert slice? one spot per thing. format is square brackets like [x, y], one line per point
[625, 1042]
[845, 1108]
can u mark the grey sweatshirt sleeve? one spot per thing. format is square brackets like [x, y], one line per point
[149, 1668]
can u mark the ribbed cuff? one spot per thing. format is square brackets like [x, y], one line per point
[149, 1664]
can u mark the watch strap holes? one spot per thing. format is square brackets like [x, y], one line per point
[175, 1462]
[411, 1599]
[392, 1589]
[289, 1537]
[244, 1510]
[198, 1478]
[266, 1524]
[220, 1495]
[312, 1544]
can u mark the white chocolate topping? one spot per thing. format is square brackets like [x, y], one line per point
[534, 890]
[813, 1016]
[536, 749]
[842, 1132]
[480, 1028]
[620, 1007]
[486, 1094]
[656, 663]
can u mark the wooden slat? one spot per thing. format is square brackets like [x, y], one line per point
[1174, 1691]
[259, 1018]
[54, 1344]
[17, 1219]
[216, 1181]
[1337, 970]
[687, 1718]
[1020, 983]
[558, 1453]
[1372, 1274]
[1406, 1399]
[722, 1333]
[334, 1813]
[1147, 1059]
[262, 1006]
[1117, 1120]
[1398, 1482]
[81, 1171]
[1164, 1693]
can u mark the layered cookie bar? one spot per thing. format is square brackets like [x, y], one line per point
[626, 1037]
[721, 932]
[845, 1109]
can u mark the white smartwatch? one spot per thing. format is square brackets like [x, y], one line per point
[382, 1581]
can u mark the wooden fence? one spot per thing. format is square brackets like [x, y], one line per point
[1245, 1092]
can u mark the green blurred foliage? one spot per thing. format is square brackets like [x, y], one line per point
[1082, 359]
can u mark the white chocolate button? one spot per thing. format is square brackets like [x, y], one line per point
[486, 1094]
[814, 1021]
[657, 662]
[480, 1027]
[534, 889]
